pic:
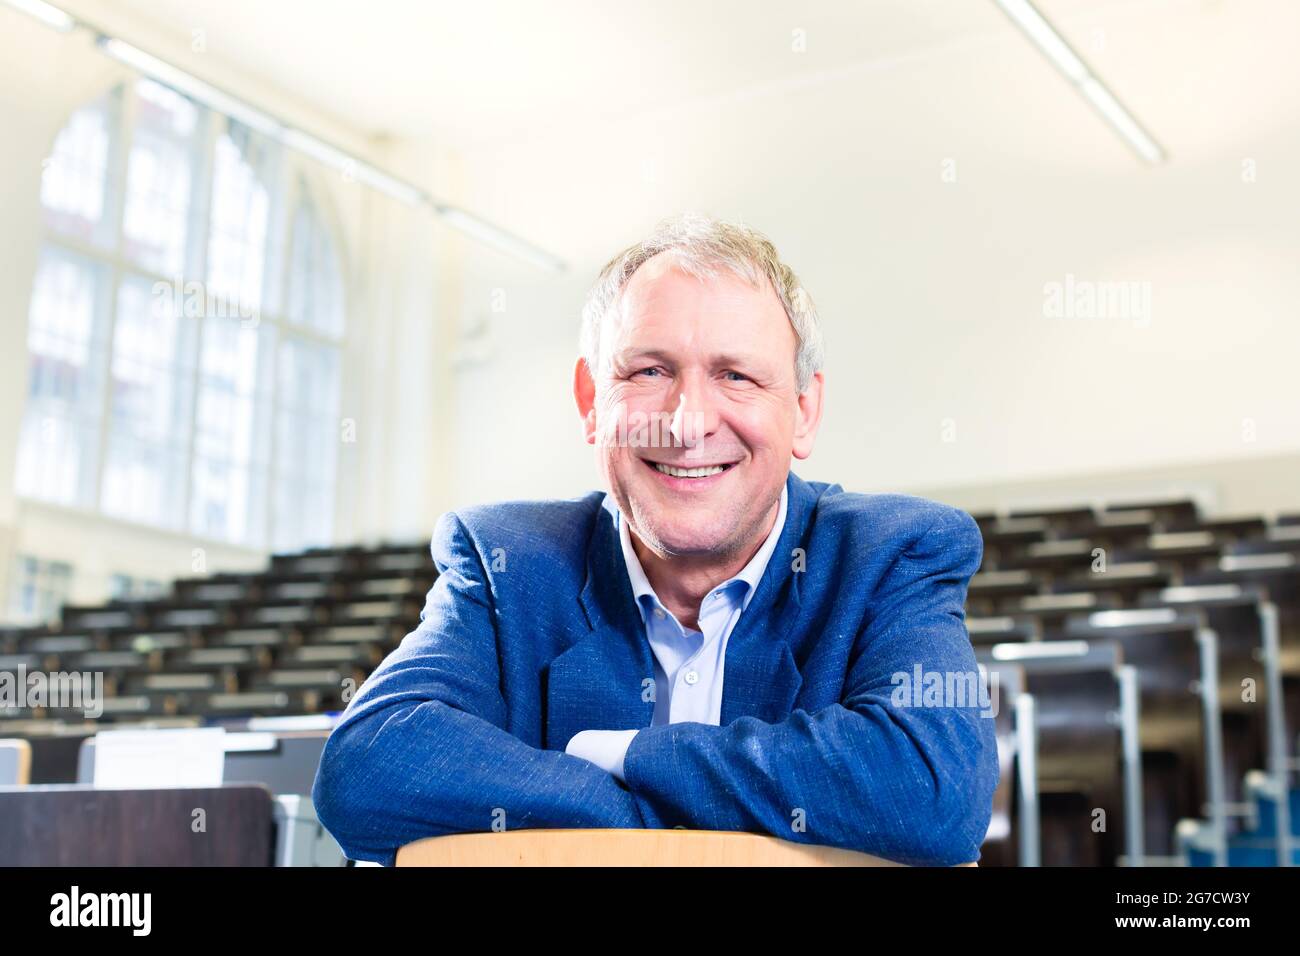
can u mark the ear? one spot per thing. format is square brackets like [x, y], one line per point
[808, 416]
[584, 393]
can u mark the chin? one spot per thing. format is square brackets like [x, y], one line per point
[687, 539]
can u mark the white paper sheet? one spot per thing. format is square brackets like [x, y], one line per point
[135, 759]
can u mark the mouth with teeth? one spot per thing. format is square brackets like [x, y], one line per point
[686, 475]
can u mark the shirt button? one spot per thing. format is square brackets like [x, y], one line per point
[692, 677]
[659, 613]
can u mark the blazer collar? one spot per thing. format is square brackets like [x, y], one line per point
[607, 592]
[761, 678]
[749, 576]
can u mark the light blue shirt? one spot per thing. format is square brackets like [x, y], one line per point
[688, 664]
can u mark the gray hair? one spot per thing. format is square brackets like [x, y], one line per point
[699, 246]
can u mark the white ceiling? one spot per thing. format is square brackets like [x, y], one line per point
[475, 72]
[683, 104]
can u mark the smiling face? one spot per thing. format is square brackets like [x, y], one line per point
[714, 362]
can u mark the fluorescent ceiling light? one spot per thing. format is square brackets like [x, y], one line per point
[220, 101]
[47, 13]
[344, 162]
[391, 185]
[1121, 120]
[471, 225]
[1053, 46]
[317, 149]
[1045, 37]
[190, 85]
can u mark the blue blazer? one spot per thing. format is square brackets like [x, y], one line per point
[530, 634]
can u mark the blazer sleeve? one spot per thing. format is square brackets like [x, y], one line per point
[907, 783]
[423, 750]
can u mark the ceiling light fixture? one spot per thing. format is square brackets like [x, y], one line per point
[1053, 46]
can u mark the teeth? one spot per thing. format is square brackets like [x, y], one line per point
[690, 472]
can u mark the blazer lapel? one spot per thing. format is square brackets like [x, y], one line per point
[761, 677]
[602, 682]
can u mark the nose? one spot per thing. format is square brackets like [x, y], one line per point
[695, 416]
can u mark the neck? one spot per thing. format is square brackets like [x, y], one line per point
[681, 581]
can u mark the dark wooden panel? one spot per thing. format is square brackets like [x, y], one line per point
[82, 826]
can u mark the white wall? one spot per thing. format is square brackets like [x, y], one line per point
[1266, 485]
[932, 292]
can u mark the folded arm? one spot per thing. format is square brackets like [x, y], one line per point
[912, 784]
[423, 749]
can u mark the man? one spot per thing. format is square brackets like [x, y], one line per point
[714, 643]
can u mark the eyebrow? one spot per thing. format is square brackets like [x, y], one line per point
[628, 356]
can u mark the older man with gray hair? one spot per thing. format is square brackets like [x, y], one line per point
[710, 642]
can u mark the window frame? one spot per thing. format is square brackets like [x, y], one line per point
[294, 180]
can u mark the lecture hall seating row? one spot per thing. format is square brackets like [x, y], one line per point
[1147, 661]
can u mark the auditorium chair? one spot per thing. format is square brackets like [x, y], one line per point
[1275, 576]
[1164, 512]
[989, 590]
[15, 763]
[1175, 657]
[1125, 580]
[1015, 800]
[1001, 630]
[1084, 703]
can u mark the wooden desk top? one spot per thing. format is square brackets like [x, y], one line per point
[624, 848]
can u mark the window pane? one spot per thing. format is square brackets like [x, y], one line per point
[315, 284]
[164, 151]
[306, 443]
[241, 216]
[232, 430]
[304, 515]
[149, 405]
[66, 332]
[184, 405]
[125, 587]
[59, 439]
[76, 173]
[144, 481]
[39, 589]
[309, 378]
[307, 426]
[56, 459]
[234, 392]
[228, 502]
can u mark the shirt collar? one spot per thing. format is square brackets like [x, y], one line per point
[749, 575]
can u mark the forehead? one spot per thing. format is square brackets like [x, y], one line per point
[663, 301]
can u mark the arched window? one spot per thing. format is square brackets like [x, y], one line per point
[186, 325]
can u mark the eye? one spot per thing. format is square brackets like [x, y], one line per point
[652, 371]
[733, 376]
